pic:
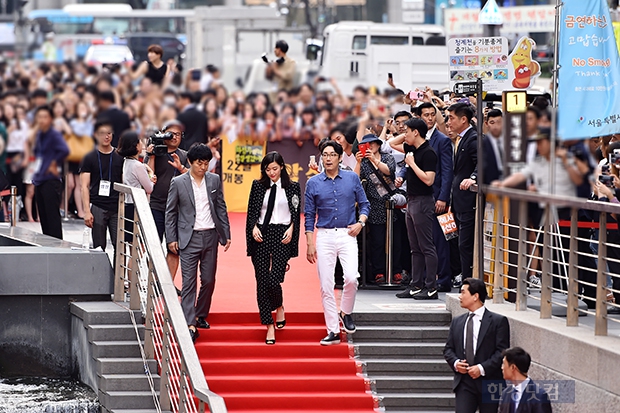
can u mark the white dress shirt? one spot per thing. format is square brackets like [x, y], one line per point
[519, 389]
[477, 319]
[204, 220]
[430, 133]
[281, 213]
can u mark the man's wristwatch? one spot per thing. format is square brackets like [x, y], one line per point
[362, 223]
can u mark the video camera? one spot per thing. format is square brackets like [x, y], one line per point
[607, 180]
[158, 140]
[614, 158]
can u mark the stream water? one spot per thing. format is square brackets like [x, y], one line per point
[42, 395]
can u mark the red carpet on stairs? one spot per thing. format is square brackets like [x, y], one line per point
[296, 374]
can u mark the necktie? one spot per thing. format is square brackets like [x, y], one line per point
[270, 204]
[513, 401]
[469, 340]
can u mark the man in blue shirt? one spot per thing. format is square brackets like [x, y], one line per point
[50, 151]
[331, 197]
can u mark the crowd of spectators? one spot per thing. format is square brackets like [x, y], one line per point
[155, 93]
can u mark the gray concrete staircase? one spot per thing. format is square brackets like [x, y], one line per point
[110, 359]
[402, 355]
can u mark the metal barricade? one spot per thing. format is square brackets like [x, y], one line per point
[557, 252]
[142, 277]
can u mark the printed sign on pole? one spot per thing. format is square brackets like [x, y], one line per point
[523, 69]
[480, 57]
[589, 75]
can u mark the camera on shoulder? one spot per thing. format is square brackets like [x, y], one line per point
[158, 140]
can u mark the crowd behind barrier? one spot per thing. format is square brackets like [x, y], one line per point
[63, 127]
[240, 129]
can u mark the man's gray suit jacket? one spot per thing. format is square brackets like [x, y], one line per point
[181, 209]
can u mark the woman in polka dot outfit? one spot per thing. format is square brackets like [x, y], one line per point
[272, 236]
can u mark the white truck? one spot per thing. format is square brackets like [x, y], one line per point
[363, 53]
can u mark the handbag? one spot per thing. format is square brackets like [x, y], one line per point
[384, 186]
[79, 146]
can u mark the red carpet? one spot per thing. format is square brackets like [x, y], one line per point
[296, 374]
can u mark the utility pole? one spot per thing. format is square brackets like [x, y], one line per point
[20, 28]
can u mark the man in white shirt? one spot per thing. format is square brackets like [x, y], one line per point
[522, 395]
[196, 219]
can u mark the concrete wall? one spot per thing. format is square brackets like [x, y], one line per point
[564, 353]
[39, 278]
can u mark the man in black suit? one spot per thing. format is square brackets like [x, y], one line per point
[523, 395]
[110, 113]
[194, 121]
[465, 175]
[474, 350]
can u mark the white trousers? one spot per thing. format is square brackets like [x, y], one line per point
[331, 244]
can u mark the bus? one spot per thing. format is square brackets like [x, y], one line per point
[76, 26]
[364, 53]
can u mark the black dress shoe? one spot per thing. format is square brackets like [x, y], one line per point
[444, 288]
[331, 338]
[347, 323]
[202, 323]
[194, 334]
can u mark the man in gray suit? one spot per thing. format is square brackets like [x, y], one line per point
[196, 219]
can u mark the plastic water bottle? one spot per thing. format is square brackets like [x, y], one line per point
[86, 238]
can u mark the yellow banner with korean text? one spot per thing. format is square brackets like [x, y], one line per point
[241, 159]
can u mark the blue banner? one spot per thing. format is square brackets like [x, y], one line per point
[589, 76]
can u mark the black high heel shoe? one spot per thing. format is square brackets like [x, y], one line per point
[271, 341]
[280, 324]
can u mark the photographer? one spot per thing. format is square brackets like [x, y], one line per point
[167, 165]
[567, 174]
[283, 69]
[605, 190]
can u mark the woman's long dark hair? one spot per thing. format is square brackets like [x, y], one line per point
[128, 144]
[267, 160]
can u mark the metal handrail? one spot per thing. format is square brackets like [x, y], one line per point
[141, 268]
[571, 282]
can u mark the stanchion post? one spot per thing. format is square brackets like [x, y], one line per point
[14, 214]
[389, 241]
[364, 185]
[66, 197]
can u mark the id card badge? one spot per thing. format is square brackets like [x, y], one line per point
[104, 188]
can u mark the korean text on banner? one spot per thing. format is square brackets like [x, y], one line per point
[237, 177]
[588, 103]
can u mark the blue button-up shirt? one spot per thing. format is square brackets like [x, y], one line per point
[331, 202]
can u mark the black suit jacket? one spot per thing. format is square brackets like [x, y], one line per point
[118, 119]
[465, 165]
[443, 176]
[533, 400]
[255, 202]
[489, 163]
[493, 338]
[195, 123]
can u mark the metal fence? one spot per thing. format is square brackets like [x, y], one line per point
[142, 277]
[566, 265]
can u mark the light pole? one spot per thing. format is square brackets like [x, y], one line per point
[20, 26]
